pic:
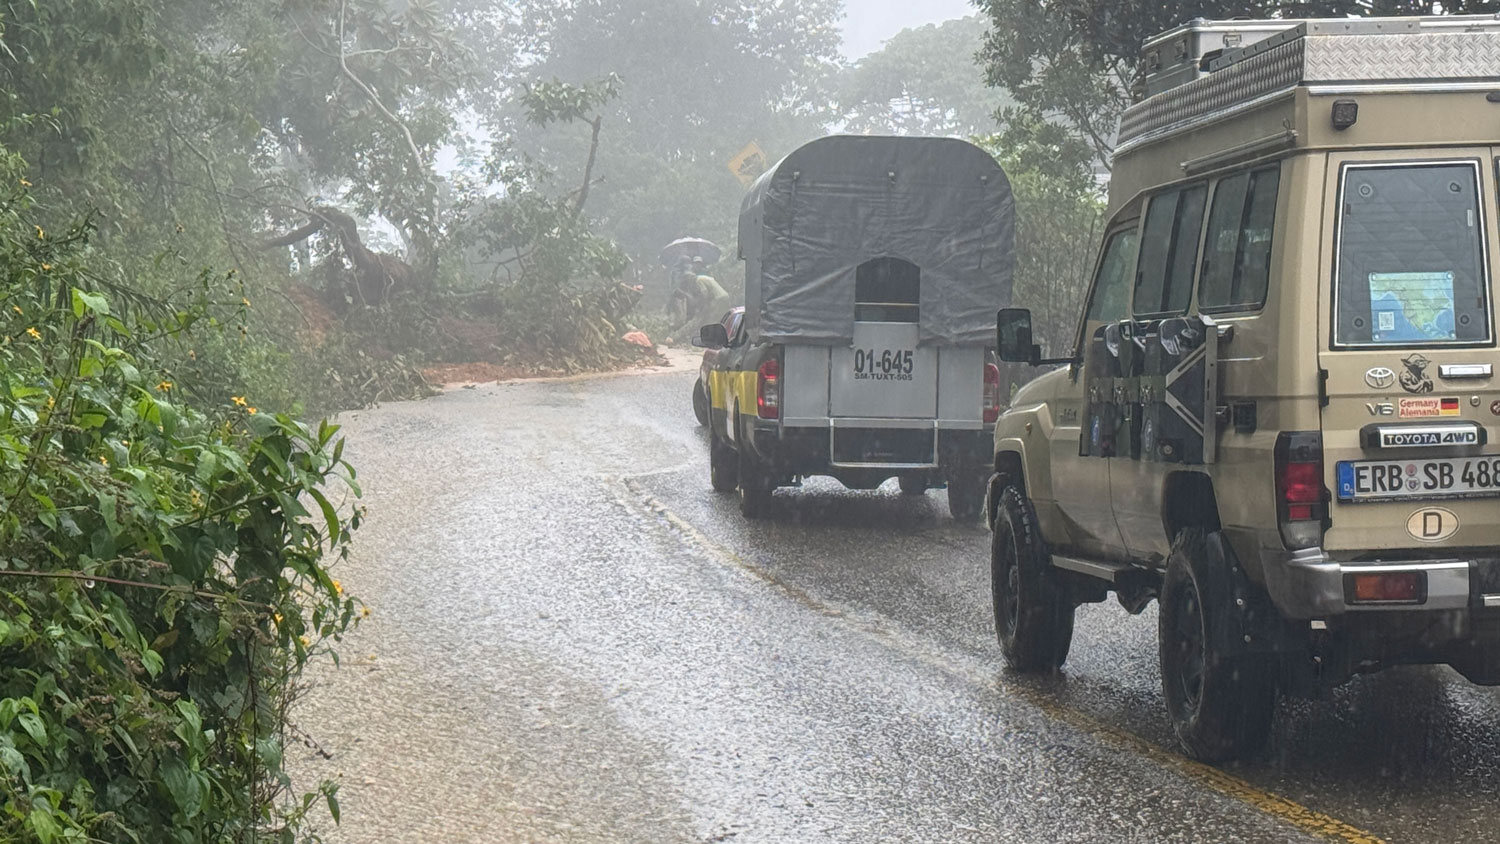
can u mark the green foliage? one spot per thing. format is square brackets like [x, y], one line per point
[162, 566]
[924, 81]
[1059, 219]
[700, 81]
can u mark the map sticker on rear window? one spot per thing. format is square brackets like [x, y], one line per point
[1412, 307]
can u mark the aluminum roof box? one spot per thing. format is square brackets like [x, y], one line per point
[1178, 56]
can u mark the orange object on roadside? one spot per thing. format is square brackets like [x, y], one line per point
[638, 338]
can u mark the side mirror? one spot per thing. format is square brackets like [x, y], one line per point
[1013, 337]
[712, 336]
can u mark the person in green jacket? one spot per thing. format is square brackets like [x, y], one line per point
[706, 302]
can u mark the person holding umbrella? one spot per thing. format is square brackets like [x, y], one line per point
[703, 300]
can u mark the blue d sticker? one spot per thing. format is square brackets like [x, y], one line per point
[1346, 480]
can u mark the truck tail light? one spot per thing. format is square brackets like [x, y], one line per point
[991, 393]
[1301, 498]
[1397, 587]
[768, 390]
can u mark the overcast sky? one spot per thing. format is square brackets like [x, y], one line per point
[868, 23]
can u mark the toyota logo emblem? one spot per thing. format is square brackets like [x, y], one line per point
[1380, 377]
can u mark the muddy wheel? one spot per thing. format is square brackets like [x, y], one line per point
[966, 496]
[700, 402]
[912, 484]
[1033, 613]
[1220, 699]
[755, 482]
[723, 464]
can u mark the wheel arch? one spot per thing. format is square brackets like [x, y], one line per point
[1010, 468]
[1188, 501]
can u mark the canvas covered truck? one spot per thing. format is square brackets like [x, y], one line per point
[1280, 417]
[873, 269]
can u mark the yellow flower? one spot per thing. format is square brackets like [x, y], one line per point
[239, 400]
[46, 268]
[35, 335]
[304, 641]
[338, 588]
[245, 302]
[364, 612]
[104, 460]
[25, 184]
[164, 386]
[277, 617]
[16, 308]
[192, 354]
[252, 411]
[40, 235]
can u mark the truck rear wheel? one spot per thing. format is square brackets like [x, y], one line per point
[1220, 699]
[723, 464]
[912, 484]
[966, 495]
[700, 402]
[755, 482]
[1033, 613]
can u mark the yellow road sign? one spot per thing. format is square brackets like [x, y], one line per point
[748, 163]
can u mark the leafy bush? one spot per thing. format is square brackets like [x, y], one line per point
[162, 567]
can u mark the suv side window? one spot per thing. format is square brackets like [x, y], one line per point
[1169, 252]
[1237, 250]
[1110, 301]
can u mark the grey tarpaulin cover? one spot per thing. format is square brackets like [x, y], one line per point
[837, 202]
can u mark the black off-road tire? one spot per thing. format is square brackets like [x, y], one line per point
[700, 402]
[1033, 611]
[912, 484]
[755, 482]
[723, 464]
[966, 496]
[1220, 698]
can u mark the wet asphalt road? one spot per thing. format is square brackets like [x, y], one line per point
[574, 640]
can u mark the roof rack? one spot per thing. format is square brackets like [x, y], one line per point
[1207, 70]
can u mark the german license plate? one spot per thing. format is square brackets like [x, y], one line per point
[1405, 480]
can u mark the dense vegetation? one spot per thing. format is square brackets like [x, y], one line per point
[163, 555]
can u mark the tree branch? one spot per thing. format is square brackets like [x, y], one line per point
[213, 183]
[295, 236]
[588, 169]
[411, 144]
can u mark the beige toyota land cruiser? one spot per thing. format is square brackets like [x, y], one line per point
[1276, 418]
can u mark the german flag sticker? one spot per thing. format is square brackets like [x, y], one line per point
[1449, 407]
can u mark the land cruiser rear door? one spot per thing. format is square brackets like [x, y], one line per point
[1407, 351]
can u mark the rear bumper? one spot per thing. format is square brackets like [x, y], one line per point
[809, 450]
[1308, 584]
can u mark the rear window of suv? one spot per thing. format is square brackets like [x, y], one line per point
[1410, 265]
[1169, 252]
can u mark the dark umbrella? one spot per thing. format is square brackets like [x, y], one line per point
[688, 248]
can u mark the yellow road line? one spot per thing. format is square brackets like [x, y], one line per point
[1214, 779]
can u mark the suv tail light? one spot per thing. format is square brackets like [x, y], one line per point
[991, 393]
[768, 390]
[1301, 498]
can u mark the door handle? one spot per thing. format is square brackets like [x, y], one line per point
[1465, 371]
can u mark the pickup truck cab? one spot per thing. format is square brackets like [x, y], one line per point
[1276, 419]
[873, 267]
